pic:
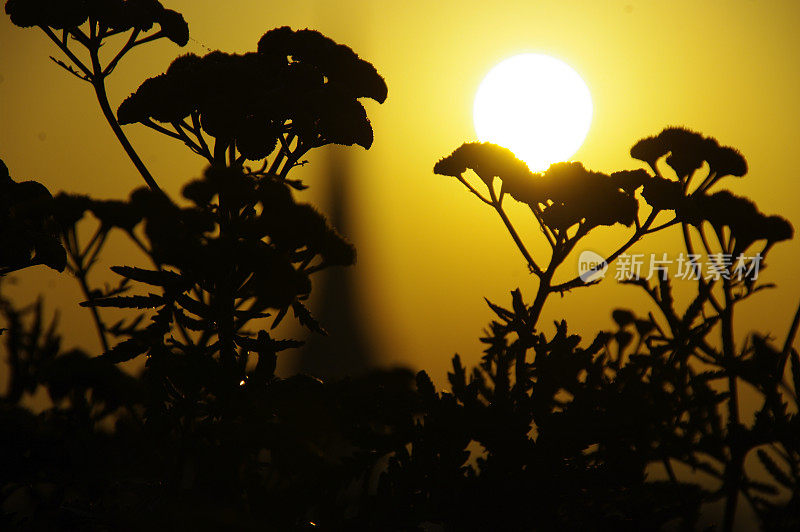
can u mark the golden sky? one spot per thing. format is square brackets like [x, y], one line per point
[428, 251]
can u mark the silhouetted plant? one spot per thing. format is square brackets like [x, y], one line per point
[618, 406]
[210, 426]
[91, 24]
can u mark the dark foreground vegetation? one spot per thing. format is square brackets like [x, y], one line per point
[634, 429]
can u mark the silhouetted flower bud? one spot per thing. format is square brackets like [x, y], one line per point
[487, 160]
[726, 161]
[575, 193]
[688, 149]
[199, 191]
[740, 215]
[623, 317]
[174, 27]
[257, 139]
[68, 209]
[143, 13]
[162, 98]
[662, 194]
[29, 234]
[58, 14]
[630, 180]
[649, 150]
[339, 63]
[115, 213]
[686, 152]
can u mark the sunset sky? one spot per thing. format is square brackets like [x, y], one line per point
[428, 251]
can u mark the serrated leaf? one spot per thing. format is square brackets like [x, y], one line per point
[264, 343]
[192, 305]
[164, 279]
[138, 302]
[306, 319]
[125, 350]
[505, 315]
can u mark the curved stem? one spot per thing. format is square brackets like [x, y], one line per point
[128, 45]
[498, 206]
[472, 189]
[98, 82]
[126, 145]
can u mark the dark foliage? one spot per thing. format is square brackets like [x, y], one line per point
[28, 234]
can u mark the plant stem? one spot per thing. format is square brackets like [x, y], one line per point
[733, 470]
[498, 206]
[81, 273]
[102, 98]
[99, 84]
[98, 322]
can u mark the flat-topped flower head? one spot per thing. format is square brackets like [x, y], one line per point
[572, 194]
[120, 15]
[28, 230]
[487, 160]
[746, 224]
[686, 152]
[566, 193]
[299, 83]
[340, 65]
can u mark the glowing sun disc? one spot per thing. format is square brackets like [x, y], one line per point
[536, 106]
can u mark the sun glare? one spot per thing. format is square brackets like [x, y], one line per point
[536, 106]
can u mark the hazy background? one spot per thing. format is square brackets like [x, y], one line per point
[428, 252]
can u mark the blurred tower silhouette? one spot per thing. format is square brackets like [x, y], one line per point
[335, 303]
[345, 350]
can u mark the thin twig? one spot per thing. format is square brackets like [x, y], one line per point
[498, 206]
[128, 45]
[64, 48]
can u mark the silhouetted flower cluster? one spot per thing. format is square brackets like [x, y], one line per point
[298, 83]
[686, 152]
[485, 159]
[28, 234]
[566, 193]
[746, 224]
[657, 391]
[115, 15]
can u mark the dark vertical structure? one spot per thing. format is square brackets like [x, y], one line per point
[344, 351]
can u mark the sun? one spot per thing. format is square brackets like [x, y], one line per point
[535, 105]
